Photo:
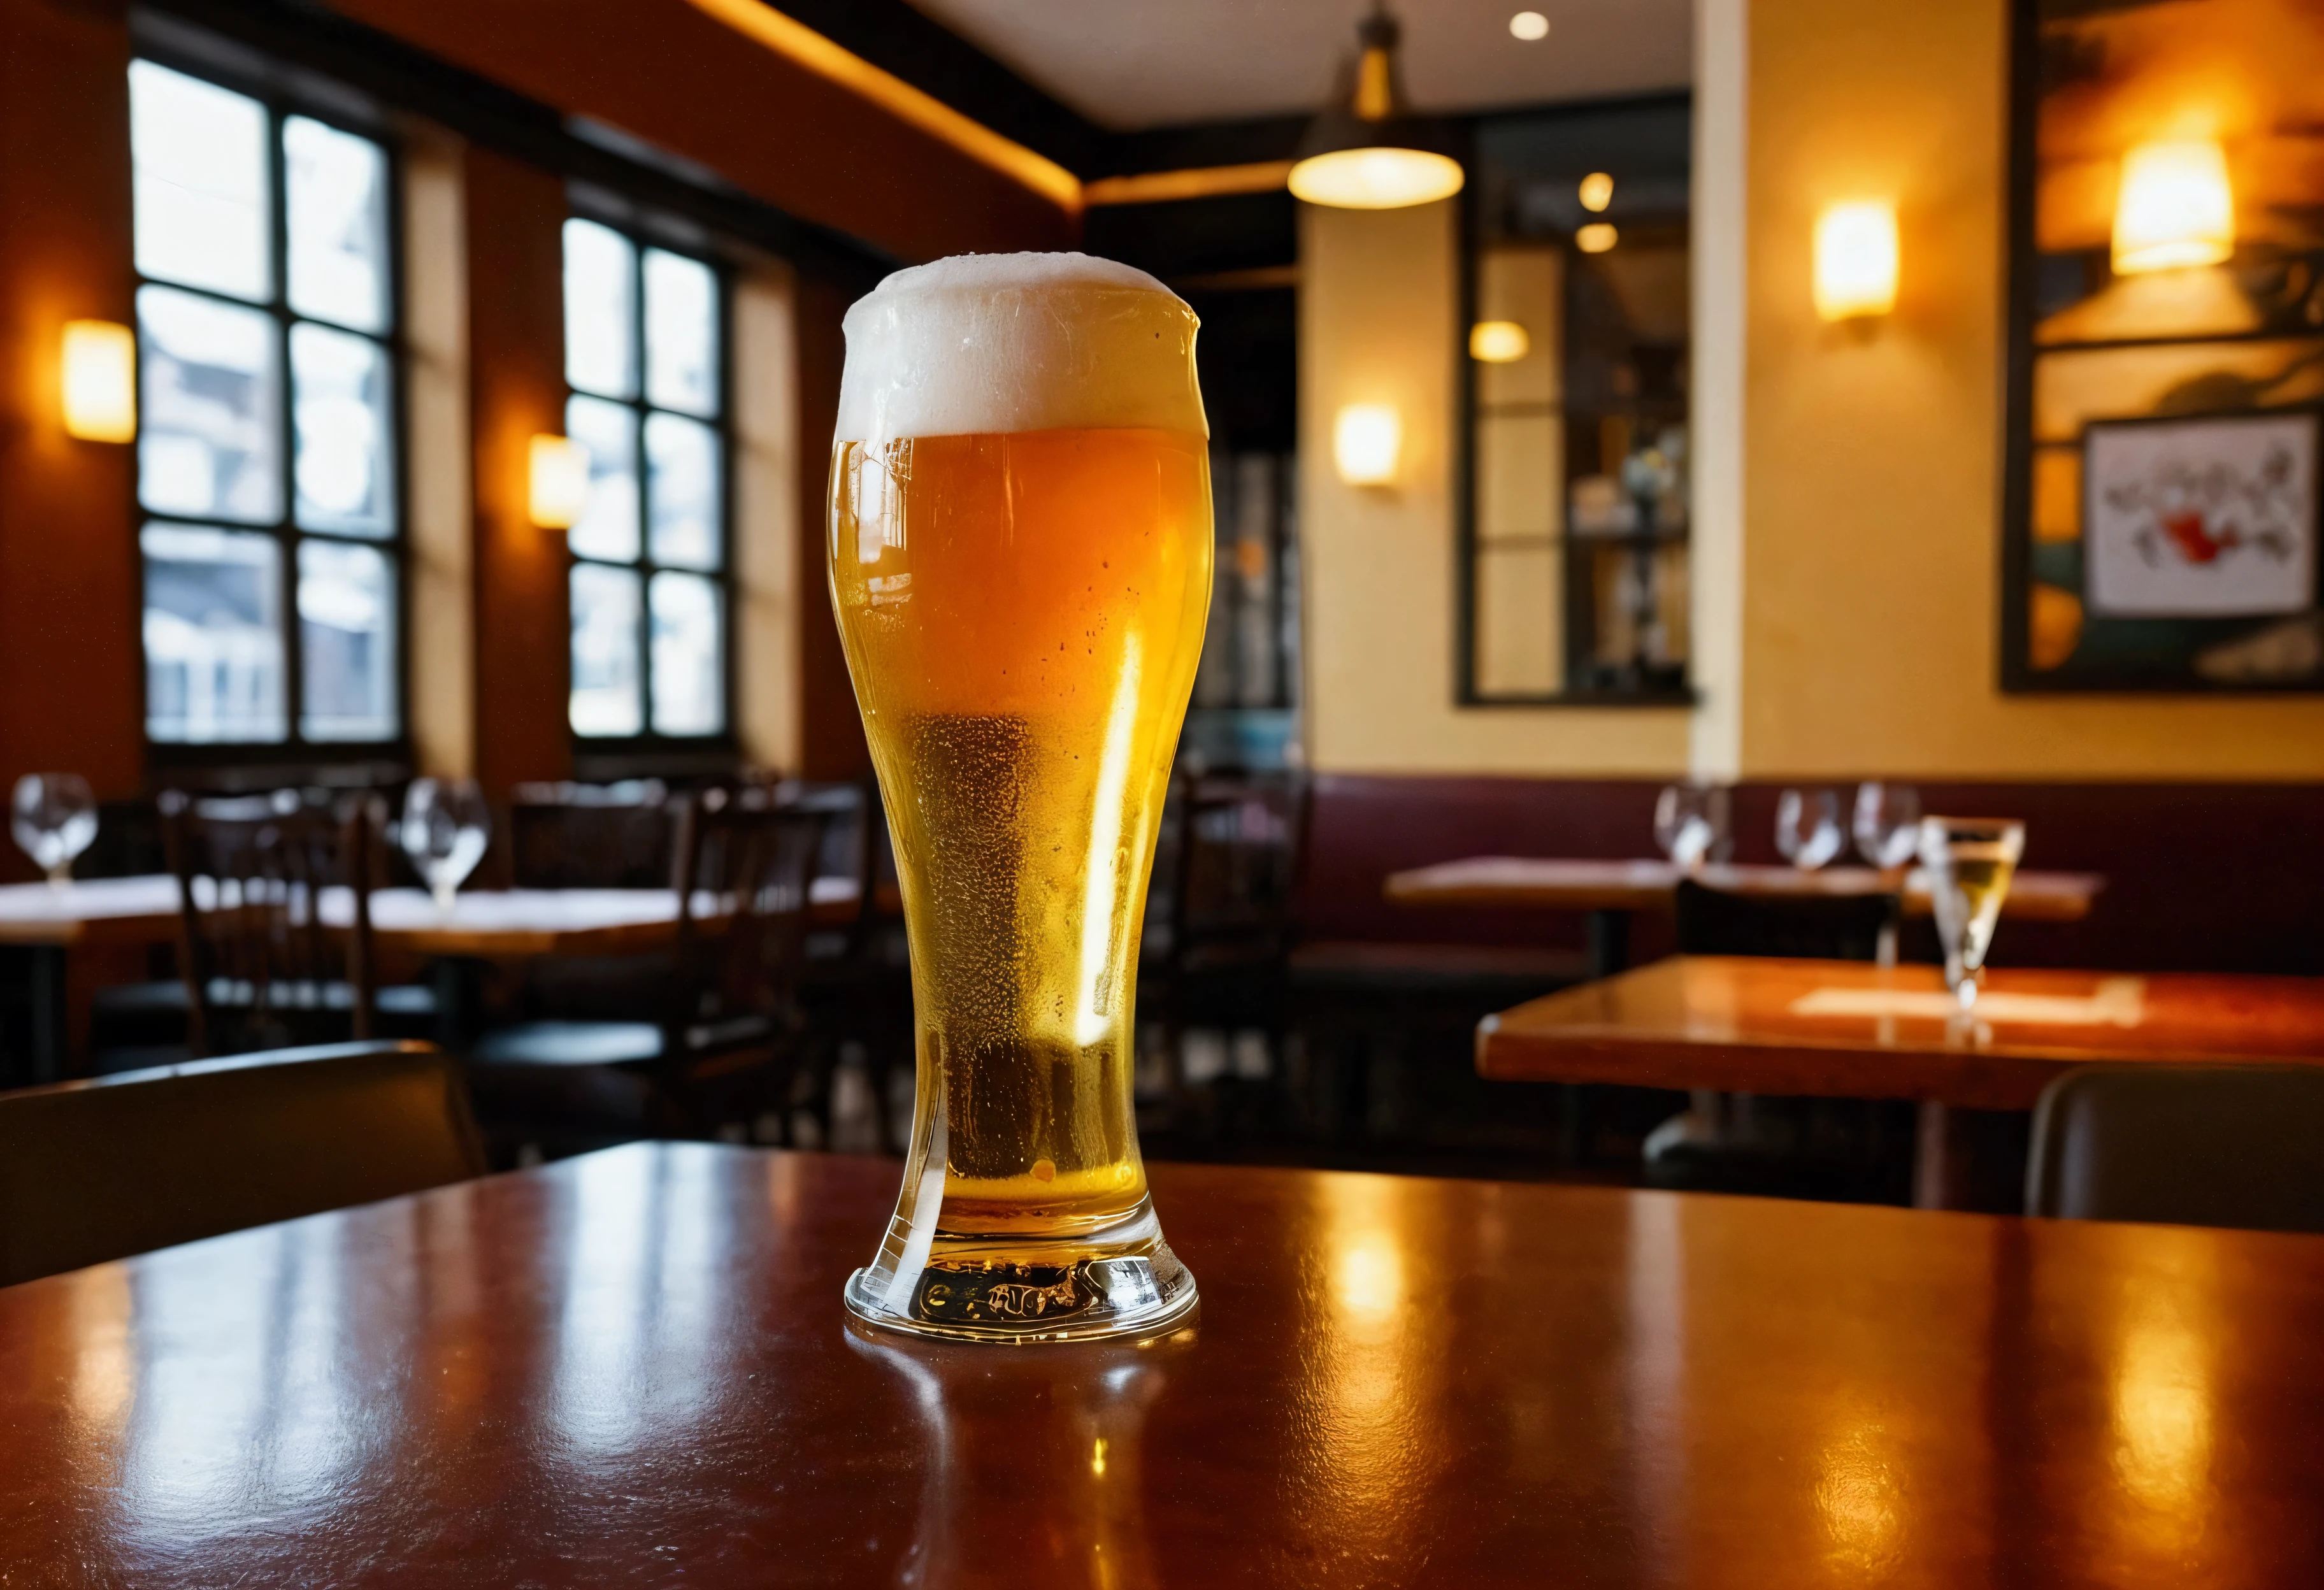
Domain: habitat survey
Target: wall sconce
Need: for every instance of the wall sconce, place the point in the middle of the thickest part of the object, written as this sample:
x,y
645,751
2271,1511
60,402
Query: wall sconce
x,y
1366,438
1856,259
1596,192
1498,342
100,381
559,482
2175,207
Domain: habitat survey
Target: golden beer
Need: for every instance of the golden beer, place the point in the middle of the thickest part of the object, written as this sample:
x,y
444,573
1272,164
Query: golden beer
x,y
1022,610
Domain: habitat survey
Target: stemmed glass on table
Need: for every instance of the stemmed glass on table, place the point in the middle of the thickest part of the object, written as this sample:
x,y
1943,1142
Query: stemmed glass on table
x,y
1887,823
1971,861
1691,825
1807,827
445,824
53,816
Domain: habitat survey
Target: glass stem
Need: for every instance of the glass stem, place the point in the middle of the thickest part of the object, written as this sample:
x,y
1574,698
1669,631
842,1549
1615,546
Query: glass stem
x,y
446,894
60,876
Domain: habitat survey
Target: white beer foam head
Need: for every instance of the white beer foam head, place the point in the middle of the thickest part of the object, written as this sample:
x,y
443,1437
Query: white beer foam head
x,y
986,344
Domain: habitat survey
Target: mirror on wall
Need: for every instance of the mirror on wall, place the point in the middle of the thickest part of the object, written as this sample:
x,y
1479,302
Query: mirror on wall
x,y
1575,546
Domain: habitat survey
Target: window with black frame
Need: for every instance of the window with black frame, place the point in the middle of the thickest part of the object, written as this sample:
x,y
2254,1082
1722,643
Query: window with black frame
x,y
644,356
1576,544
266,461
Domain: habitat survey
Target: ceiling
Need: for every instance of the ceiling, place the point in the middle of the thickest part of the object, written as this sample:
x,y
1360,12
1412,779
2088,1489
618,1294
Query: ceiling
x,y
1130,64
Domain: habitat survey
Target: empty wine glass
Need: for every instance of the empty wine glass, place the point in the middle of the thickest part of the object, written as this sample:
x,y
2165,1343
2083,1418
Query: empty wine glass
x,y
1807,827
1971,861
1691,823
1887,823
445,825
53,816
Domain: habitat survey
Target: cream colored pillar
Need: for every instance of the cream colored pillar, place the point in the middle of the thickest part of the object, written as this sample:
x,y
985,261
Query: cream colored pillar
x,y
767,562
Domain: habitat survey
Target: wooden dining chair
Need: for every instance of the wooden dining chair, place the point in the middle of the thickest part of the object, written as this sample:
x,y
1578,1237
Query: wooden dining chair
x,y
2239,1145
716,1052
101,1169
856,992
261,968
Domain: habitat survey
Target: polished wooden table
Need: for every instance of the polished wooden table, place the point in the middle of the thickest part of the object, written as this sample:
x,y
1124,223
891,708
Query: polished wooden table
x,y
630,1369
1843,1029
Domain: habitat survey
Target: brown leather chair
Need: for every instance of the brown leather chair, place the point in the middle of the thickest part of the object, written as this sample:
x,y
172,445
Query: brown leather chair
x,y
2239,1145
99,1170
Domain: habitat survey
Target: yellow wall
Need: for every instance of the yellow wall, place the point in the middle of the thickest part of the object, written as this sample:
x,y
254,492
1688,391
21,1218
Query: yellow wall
x,y
1857,593
1872,463
1377,309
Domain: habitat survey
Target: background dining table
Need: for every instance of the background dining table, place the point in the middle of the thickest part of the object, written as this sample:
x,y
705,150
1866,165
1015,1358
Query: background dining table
x,y
1610,891
88,930
631,1367
1844,1029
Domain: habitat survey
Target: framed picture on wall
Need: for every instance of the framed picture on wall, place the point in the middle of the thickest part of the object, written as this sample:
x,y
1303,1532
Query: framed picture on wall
x,y
2165,440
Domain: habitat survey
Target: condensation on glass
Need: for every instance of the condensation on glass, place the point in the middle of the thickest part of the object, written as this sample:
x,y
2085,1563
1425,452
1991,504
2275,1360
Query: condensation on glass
x,y
644,358
266,461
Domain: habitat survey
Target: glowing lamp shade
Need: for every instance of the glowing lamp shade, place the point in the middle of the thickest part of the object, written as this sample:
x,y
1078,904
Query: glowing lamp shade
x,y
1597,191
1597,237
1382,179
560,484
1498,342
100,381
2176,209
1856,259
1366,439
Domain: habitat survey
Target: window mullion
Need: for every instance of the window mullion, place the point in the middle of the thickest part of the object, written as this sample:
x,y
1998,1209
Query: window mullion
x,y
294,659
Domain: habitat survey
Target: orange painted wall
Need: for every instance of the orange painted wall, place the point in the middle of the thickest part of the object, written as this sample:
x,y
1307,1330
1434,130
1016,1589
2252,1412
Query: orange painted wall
x,y
516,351
1871,547
664,71
71,694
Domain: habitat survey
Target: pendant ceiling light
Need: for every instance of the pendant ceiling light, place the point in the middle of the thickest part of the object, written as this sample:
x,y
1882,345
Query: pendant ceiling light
x,y
1366,152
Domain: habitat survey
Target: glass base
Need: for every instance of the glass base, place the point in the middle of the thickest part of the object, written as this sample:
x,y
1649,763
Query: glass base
x,y
1119,1280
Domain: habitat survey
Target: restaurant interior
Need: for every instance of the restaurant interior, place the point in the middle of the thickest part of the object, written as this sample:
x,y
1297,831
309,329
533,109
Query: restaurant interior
x,y
1705,925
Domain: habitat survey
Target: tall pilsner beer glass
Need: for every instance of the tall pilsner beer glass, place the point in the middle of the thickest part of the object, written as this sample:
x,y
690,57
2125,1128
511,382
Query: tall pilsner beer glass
x,y
1020,561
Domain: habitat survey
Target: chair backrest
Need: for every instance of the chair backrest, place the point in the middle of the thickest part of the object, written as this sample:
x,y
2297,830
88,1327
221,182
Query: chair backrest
x,y
264,965
98,1169
2187,1144
1825,927
746,864
592,836
1239,842
856,846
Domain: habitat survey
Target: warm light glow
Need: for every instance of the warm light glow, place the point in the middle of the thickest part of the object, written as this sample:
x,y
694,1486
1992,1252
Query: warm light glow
x,y
560,482
1380,178
1597,237
2176,209
1498,342
100,381
1366,439
1856,259
1529,26
1596,192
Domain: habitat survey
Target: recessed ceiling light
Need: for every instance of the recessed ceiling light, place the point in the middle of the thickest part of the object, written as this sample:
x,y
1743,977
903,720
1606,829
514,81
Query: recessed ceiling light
x,y
1529,26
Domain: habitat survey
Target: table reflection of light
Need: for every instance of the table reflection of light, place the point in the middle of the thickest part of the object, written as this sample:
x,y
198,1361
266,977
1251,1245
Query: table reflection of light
x,y
103,1377
1379,1358
642,1297
1858,1496
1368,1276
2162,1423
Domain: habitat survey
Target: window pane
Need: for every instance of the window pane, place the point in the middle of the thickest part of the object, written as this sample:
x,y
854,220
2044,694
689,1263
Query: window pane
x,y
608,526
681,334
688,693
346,641
605,695
338,411
200,183
599,266
682,472
211,443
335,186
213,635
